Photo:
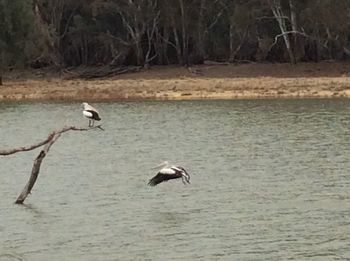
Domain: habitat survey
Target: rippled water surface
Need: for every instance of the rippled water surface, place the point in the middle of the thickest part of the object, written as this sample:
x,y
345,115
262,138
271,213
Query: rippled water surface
x,y
270,181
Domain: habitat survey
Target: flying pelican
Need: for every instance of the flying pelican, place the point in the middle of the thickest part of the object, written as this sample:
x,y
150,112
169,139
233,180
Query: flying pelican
x,y
91,113
169,172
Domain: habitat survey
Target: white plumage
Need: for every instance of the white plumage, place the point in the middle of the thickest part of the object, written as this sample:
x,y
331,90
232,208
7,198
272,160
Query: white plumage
x,y
91,113
87,114
169,172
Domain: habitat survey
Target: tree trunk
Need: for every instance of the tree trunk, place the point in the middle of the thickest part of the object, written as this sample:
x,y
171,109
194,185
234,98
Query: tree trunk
x,y
317,47
151,31
35,170
177,42
293,16
297,46
2,64
277,12
158,46
234,52
184,32
166,35
200,32
139,53
231,31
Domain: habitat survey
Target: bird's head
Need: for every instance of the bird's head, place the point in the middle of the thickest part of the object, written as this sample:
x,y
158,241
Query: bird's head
x,y
185,175
84,104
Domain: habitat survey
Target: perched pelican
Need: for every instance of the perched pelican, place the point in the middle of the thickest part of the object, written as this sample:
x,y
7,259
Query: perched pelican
x,y
91,113
169,172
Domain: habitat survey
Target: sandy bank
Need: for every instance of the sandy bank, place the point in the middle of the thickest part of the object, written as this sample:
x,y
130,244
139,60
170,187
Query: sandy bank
x,y
179,83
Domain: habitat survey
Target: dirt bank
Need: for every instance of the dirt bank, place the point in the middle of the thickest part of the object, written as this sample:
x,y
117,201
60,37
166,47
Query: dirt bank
x,y
198,82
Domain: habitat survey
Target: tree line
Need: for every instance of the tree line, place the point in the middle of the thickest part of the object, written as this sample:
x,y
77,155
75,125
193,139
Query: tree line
x,y
67,33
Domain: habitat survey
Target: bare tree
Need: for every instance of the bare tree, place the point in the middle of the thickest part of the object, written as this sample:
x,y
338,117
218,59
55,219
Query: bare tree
x,y
54,18
177,44
151,31
240,21
183,19
277,11
201,30
1,64
161,42
139,19
47,143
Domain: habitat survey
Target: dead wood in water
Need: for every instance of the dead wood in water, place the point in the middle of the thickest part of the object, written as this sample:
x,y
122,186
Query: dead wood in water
x,y
48,142
35,170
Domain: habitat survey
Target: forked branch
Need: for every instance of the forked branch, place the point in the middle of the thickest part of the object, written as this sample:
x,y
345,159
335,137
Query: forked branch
x,y
35,170
48,142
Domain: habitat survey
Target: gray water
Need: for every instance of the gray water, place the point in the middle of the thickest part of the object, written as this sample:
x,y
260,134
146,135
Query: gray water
x,y
270,181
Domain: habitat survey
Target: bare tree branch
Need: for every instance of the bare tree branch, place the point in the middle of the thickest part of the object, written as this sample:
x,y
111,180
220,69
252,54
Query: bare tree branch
x,y
26,148
346,51
285,33
271,17
118,39
35,170
7,152
48,142
212,24
278,13
150,35
167,41
67,23
151,59
238,48
295,32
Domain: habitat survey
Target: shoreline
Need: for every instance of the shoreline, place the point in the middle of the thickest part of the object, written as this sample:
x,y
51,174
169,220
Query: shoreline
x,y
218,82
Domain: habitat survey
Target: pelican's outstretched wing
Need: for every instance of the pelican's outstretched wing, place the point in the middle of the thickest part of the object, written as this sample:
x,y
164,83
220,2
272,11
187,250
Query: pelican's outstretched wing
x,y
160,177
164,164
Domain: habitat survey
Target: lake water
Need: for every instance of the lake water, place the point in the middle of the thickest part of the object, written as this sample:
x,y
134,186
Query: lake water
x,y
270,181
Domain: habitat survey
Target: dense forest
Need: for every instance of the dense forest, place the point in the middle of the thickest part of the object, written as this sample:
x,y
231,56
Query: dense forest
x,y
65,33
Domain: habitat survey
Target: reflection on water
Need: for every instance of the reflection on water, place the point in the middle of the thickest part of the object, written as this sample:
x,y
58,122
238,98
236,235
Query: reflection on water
x,y
270,181
31,208
10,257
